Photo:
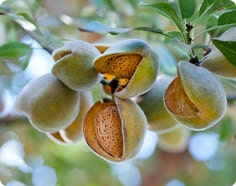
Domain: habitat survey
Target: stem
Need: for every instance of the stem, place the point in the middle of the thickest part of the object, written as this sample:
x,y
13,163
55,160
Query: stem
x,y
189,28
33,35
37,39
12,119
193,58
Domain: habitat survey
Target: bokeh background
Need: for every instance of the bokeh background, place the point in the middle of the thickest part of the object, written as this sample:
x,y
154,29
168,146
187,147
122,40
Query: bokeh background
x,y
28,157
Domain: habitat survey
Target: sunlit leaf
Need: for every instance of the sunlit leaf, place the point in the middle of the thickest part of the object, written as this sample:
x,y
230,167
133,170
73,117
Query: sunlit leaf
x,y
14,50
166,10
29,19
228,49
26,24
98,27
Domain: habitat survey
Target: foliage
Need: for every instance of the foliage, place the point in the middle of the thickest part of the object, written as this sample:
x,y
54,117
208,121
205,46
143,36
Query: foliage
x,y
178,30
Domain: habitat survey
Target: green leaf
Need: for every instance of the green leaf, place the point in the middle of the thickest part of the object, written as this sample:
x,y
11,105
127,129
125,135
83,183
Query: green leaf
x,y
174,36
228,49
166,10
227,17
210,6
226,129
186,8
211,21
14,50
198,46
205,4
25,61
149,29
97,27
217,30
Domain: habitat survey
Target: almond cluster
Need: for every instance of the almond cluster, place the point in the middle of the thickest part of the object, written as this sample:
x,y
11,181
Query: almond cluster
x,y
61,104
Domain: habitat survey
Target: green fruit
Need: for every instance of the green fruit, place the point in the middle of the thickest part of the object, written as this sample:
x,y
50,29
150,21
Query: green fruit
x,y
73,133
195,98
48,103
74,65
159,119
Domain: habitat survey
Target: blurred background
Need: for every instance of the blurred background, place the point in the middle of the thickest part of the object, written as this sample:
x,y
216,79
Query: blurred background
x,y
28,157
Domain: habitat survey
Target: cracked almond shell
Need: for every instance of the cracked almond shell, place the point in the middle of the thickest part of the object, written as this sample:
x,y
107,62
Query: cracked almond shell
x,y
132,61
195,98
115,130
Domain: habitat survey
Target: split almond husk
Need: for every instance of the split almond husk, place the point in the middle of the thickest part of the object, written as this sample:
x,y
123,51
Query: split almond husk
x,y
115,130
132,61
74,65
195,98
57,138
101,47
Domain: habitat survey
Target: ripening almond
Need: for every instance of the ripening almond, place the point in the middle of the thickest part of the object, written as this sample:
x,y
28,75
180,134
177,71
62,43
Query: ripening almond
x,y
74,65
115,130
159,119
48,103
73,133
195,98
133,63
